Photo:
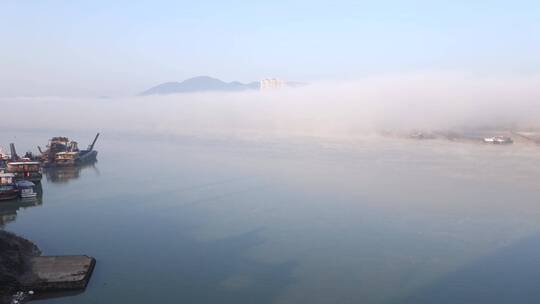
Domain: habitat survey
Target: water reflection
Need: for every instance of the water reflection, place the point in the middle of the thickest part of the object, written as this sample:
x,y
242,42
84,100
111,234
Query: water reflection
x,y
60,175
380,223
9,209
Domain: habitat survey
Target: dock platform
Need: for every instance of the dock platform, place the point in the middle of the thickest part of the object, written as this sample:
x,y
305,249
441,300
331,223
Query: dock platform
x,y
57,273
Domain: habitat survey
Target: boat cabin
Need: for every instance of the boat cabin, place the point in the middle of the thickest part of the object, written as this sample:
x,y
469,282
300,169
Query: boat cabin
x,y
58,141
66,158
27,170
6,178
26,166
8,190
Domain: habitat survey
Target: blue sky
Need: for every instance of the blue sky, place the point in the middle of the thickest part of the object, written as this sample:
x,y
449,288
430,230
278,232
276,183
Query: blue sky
x,y
93,48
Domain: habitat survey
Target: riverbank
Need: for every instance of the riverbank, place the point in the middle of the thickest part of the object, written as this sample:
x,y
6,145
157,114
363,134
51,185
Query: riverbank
x,y
16,254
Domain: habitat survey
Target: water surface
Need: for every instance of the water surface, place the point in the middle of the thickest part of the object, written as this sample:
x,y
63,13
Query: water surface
x,y
188,220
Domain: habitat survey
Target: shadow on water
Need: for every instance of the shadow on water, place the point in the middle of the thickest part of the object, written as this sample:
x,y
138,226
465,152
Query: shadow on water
x,y
59,175
162,262
222,273
194,271
510,275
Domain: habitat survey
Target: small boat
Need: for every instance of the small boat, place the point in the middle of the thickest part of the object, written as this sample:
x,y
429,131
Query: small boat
x,y
25,170
8,189
498,140
26,188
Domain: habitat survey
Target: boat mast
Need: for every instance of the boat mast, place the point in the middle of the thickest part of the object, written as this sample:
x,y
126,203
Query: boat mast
x,y
14,156
91,147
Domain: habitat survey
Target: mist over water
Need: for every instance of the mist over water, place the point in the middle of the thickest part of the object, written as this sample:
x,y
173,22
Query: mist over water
x,y
383,221
405,171
217,197
420,101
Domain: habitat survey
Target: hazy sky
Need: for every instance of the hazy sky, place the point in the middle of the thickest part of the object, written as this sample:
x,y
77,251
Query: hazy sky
x,y
93,48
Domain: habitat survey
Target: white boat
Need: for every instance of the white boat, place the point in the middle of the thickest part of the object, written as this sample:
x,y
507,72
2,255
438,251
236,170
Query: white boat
x,y
27,189
498,140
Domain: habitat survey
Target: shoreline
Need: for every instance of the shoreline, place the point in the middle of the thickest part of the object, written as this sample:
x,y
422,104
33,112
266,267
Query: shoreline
x,y
16,254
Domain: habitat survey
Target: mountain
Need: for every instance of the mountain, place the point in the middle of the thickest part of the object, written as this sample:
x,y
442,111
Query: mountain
x,y
199,84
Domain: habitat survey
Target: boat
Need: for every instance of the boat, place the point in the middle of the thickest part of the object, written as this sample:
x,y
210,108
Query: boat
x,y
25,170
26,188
56,144
8,189
498,140
66,153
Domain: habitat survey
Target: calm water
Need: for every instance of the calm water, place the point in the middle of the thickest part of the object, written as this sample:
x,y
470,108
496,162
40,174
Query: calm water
x,y
296,221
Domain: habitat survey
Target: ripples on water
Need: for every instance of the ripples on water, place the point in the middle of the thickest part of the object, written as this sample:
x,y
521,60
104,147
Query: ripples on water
x,y
299,221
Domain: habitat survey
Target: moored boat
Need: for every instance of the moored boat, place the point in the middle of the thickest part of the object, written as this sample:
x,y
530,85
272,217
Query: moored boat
x,y
25,170
8,189
498,140
26,188
64,153
56,144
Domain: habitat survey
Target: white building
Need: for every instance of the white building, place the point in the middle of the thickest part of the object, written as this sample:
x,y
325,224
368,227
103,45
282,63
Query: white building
x,y
272,84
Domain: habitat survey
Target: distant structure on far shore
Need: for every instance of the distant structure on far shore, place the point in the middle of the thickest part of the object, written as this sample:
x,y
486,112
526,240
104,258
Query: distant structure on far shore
x,y
272,84
210,84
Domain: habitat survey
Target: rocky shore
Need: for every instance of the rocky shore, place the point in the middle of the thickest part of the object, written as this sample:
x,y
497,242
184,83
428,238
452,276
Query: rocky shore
x,y
15,264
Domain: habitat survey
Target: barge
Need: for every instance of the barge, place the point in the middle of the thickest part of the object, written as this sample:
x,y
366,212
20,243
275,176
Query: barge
x,y
64,153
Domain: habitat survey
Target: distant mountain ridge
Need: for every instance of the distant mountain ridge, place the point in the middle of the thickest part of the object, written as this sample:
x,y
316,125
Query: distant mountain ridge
x,y
199,84
205,84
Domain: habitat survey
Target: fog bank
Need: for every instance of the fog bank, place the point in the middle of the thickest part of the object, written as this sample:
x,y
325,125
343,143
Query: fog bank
x,y
429,101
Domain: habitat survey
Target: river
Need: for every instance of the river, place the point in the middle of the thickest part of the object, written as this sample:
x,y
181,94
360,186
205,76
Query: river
x,y
297,220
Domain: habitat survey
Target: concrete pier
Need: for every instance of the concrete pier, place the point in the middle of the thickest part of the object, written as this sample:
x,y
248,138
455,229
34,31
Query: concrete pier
x,y
56,273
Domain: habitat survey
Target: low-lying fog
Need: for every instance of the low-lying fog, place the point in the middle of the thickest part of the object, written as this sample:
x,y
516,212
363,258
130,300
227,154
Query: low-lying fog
x,y
386,222
429,101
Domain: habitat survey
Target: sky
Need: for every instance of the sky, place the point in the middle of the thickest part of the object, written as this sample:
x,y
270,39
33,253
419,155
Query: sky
x,y
120,48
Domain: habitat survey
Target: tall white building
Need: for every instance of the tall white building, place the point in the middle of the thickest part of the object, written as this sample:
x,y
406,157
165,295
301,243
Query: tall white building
x,y
272,84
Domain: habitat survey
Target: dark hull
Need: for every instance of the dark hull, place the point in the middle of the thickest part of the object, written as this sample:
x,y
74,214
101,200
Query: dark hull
x,y
87,157
9,195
